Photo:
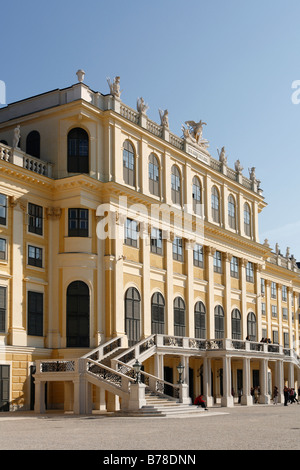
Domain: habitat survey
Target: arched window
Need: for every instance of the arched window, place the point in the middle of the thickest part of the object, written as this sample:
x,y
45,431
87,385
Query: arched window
x,y
196,196
200,320
175,185
33,144
128,163
219,322
78,151
231,212
251,326
78,315
247,220
157,314
154,175
215,205
179,317
132,315
236,324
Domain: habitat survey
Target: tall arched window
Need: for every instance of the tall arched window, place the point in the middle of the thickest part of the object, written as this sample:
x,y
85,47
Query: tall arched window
x,y
132,315
179,317
215,205
128,163
200,320
196,195
251,326
247,220
157,314
231,212
236,324
175,185
219,322
33,144
154,175
78,315
78,151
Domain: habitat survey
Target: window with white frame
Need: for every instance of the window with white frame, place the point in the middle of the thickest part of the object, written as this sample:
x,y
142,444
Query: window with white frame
x,y
250,272
3,250
234,267
3,300
273,290
198,256
218,262
131,232
231,212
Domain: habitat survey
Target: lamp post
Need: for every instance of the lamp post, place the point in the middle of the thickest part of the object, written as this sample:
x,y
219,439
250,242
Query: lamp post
x,y
137,368
180,369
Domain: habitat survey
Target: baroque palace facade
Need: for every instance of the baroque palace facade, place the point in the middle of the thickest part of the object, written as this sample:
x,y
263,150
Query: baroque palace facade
x,y
122,244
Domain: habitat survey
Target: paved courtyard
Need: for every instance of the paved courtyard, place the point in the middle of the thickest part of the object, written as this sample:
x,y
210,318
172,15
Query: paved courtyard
x,y
260,427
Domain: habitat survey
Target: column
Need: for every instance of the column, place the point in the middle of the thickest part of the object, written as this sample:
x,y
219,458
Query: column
x,y
227,258
39,403
258,299
18,319
246,397
207,381
146,298
280,380
209,263
53,339
169,286
190,327
264,397
227,398
268,307
118,289
291,377
243,297
279,313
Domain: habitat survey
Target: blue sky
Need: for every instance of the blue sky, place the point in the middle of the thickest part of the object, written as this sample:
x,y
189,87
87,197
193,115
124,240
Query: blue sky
x,y
230,63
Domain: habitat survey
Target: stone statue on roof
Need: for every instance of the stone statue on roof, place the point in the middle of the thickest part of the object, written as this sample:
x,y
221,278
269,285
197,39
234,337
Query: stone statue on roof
x,y
196,129
141,106
115,87
164,118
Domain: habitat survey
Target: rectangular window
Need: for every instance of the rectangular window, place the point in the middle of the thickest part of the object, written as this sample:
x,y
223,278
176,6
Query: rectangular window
x,y
2,248
78,223
262,287
35,219
156,241
35,313
274,311
35,256
284,313
3,209
286,340
177,249
2,309
131,233
275,337
234,267
249,272
263,309
273,290
218,262
198,256
284,293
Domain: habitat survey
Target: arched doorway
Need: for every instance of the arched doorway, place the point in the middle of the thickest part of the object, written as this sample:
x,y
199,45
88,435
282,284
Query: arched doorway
x,y
78,315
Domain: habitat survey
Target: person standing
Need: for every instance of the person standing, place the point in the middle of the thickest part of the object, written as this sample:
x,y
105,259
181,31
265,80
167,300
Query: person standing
x,y
275,396
286,396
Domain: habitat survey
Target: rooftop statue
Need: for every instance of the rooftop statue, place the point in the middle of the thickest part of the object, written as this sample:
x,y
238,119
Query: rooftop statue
x,y
193,133
164,118
115,87
222,156
17,135
141,106
238,167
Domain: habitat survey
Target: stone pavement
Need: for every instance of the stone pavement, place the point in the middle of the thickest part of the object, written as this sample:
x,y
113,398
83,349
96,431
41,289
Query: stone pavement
x,y
259,427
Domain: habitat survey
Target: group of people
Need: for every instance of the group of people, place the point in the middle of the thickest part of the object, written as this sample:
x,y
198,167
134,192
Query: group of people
x,y
290,396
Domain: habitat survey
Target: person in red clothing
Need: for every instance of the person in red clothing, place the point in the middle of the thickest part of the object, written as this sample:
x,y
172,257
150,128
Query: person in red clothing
x,y
200,402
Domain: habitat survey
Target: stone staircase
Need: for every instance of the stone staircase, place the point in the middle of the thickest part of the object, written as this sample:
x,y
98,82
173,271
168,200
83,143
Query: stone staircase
x,y
158,405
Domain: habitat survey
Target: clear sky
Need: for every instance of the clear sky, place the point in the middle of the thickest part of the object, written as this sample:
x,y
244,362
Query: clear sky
x,y
230,63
